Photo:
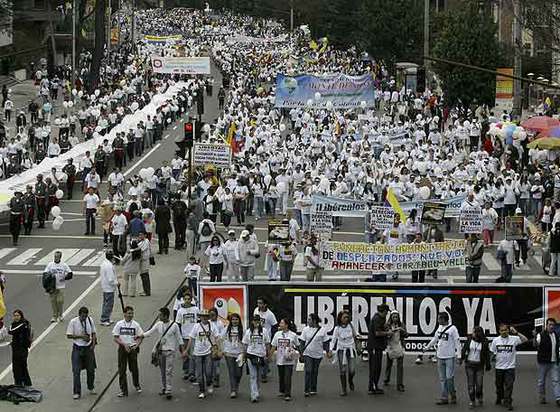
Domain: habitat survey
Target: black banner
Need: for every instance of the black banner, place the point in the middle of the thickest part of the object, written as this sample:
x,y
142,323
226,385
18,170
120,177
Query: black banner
x,y
468,306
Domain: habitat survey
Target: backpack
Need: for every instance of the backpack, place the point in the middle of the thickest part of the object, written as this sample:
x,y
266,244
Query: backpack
x,y
49,282
206,230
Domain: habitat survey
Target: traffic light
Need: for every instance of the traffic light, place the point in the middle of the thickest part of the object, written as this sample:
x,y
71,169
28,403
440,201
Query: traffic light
x,y
189,134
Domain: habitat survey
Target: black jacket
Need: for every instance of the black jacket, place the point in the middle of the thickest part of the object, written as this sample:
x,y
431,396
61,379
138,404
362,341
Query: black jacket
x,y
484,353
544,348
21,335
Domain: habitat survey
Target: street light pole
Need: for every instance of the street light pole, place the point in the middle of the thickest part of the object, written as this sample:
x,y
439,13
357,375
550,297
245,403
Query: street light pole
x,y
292,16
517,61
426,35
74,7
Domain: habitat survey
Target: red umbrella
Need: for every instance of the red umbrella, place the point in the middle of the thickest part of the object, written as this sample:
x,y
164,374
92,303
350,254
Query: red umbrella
x,y
540,123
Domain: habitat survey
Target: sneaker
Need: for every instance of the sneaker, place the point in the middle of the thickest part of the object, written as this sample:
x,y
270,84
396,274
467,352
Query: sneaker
x,y
313,393
471,405
53,320
201,396
306,394
210,390
105,323
141,294
419,361
442,402
122,394
233,395
254,400
92,392
400,388
60,319
168,396
76,396
434,359
138,389
162,392
287,398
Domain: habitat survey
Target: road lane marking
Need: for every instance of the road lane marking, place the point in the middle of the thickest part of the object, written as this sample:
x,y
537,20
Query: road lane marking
x,y
7,250
135,165
25,257
49,328
490,262
40,272
78,257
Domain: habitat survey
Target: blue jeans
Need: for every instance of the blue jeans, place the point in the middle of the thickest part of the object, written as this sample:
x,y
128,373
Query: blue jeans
x,y
446,370
254,385
259,207
203,371
311,368
107,306
543,371
234,372
82,356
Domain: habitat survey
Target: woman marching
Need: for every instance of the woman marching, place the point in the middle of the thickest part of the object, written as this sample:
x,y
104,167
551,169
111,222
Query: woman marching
x,y
395,349
343,344
256,346
476,355
313,340
232,349
215,253
131,267
285,344
21,342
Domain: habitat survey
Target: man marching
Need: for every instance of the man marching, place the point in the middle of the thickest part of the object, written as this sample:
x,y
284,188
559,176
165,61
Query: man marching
x,y
30,205
16,215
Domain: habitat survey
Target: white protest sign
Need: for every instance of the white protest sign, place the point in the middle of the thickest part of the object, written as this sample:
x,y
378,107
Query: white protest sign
x,y
382,217
218,155
470,220
181,65
321,224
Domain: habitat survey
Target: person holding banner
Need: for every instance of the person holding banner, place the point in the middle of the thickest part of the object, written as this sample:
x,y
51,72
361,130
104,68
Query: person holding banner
x,y
474,250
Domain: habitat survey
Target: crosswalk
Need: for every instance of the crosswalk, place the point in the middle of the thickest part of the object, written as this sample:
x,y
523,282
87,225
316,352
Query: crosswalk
x,y
74,257
23,260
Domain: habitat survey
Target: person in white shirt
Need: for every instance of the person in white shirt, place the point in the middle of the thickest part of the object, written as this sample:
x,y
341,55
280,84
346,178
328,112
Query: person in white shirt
x,y
233,348
343,343
215,254
506,255
84,337
256,348
169,342
232,266
54,149
269,322
202,338
61,273
127,333
504,348
186,317
448,348
90,203
285,344
313,340
192,272
109,284
117,229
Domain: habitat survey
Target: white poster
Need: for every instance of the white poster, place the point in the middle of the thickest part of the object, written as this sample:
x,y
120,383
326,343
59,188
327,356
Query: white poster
x,y
321,225
181,65
382,217
218,155
470,220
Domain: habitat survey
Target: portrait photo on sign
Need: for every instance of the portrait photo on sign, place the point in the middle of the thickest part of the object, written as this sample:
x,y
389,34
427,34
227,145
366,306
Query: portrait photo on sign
x,y
433,213
514,227
278,231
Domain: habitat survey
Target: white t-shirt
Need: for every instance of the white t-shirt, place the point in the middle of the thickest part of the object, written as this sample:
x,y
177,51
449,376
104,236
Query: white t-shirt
x,y
91,201
77,327
202,335
268,319
314,258
232,341
505,350
192,271
286,344
59,270
127,331
187,318
314,347
119,224
256,342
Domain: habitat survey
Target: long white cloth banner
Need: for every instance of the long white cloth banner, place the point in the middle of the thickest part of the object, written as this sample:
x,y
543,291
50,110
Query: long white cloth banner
x,y
181,65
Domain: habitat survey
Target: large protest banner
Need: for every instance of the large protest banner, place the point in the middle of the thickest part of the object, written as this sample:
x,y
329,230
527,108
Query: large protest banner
x,y
341,90
382,258
469,306
181,65
150,39
218,155
338,206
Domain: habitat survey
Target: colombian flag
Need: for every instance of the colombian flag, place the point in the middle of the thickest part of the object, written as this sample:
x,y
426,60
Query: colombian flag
x,y
2,305
394,202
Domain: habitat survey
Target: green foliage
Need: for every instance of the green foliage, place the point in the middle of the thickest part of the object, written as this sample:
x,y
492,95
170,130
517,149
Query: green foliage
x,y
467,36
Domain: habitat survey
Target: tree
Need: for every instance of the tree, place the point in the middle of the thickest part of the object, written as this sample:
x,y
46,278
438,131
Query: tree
x,y
394,33
468,35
